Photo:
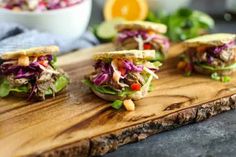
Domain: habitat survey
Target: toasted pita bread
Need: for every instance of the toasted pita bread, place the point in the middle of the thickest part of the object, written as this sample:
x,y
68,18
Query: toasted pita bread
x,y
135,25
210,40
132,54
36,51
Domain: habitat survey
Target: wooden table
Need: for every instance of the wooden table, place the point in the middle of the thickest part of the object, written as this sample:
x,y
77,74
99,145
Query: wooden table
x,y
77,123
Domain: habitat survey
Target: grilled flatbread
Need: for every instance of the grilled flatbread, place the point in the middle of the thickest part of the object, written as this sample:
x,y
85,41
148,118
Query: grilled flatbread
x,y
37,51
132,54
210,40
136,25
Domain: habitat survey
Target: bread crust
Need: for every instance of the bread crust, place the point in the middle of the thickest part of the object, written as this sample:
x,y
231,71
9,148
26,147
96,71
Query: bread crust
x,y
210,40
137,25
36,51
132,54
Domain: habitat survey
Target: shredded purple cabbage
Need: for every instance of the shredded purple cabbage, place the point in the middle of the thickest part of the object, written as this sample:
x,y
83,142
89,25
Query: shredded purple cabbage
x,y
131,67
125,34
163,41
30,72
216,51
101,79
106,72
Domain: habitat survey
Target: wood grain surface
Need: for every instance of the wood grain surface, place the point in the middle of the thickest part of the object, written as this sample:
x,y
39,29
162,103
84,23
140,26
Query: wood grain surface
x,y
77,123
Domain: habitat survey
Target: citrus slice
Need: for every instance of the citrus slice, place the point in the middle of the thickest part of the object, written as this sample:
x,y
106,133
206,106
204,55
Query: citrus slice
x,y
128,9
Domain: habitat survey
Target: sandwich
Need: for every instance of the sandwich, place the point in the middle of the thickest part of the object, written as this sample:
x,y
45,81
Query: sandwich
x,y
31,73
213,55
143,36
123,75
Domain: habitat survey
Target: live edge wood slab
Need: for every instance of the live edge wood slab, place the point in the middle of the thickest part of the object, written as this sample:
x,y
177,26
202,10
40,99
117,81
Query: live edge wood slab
x,y
77,123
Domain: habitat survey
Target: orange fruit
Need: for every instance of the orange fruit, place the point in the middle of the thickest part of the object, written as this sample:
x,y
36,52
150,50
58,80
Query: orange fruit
x,y
128,9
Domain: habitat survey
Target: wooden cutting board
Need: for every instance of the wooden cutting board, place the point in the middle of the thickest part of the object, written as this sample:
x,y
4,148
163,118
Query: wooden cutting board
x,y
77,123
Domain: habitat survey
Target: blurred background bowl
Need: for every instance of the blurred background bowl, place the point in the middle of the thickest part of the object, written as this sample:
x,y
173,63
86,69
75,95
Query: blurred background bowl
x,y
69,22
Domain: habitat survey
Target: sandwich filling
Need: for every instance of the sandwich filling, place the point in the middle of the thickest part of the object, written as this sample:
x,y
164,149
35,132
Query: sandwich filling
x,y
32,76
123,77
144,40
210,58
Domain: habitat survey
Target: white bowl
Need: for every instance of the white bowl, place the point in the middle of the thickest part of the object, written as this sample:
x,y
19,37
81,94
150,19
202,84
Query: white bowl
x,y
69,22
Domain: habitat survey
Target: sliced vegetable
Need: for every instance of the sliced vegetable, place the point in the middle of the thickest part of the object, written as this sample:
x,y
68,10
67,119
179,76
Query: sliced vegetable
x,y
129,105
125,92
117,74
215,76
122,71
159,57
151,72
144,89
21,89
157,64
61,83
225,79
135,86
117,104
100,89
147,46
101,78
53,61
4,88
106,31
206,66
44,63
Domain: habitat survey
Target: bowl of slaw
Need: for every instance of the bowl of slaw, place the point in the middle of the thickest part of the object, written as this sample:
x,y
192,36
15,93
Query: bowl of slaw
x,y
68,20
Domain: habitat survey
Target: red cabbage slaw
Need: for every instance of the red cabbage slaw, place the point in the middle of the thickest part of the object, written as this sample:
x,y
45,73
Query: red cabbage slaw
x,y
213,52
127,33
7,68
31,72
106,70
37,5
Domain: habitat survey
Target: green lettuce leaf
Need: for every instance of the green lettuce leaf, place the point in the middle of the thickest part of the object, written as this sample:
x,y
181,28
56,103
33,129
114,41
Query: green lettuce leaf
x,y
21,89
5,88
125,92
117,104
53,62
60,84
159,57
100,89
217,77
208,67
